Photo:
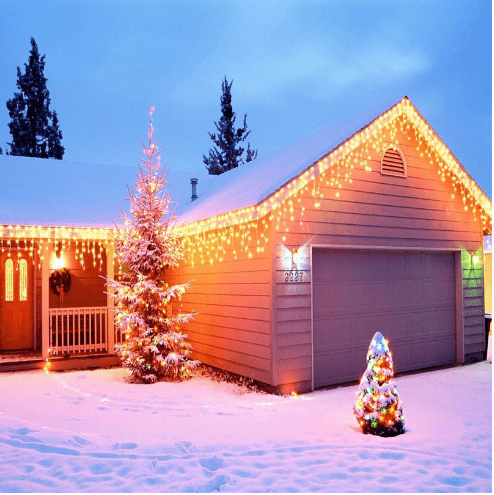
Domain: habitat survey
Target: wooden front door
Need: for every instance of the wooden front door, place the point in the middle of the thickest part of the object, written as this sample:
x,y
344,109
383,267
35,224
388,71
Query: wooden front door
x,y
16,301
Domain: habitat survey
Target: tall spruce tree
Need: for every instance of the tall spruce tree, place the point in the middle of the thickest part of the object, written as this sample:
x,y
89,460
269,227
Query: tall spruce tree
x,y
226,155
34,127
155,347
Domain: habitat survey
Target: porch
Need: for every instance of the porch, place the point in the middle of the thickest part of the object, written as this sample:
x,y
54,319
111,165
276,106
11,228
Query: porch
x,y
77,338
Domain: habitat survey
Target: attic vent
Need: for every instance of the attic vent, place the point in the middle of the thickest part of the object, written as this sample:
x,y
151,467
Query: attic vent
x,y
393,163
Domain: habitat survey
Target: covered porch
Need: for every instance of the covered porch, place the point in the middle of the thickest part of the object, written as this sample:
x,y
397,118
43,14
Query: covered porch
x,y
43,323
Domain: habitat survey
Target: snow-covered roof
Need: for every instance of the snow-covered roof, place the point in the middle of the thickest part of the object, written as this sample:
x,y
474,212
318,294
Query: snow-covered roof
x,y
251,191
249,184
49,192
46,192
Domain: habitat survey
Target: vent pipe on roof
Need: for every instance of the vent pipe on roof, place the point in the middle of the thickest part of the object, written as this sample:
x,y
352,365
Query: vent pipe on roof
x,y
194,185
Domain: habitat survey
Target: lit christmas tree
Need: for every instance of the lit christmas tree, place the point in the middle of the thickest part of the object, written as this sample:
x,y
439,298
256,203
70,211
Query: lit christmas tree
x,y
378,408
154,346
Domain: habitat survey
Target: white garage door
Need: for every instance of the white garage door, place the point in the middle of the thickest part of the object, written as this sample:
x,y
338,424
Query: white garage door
x,y
409,297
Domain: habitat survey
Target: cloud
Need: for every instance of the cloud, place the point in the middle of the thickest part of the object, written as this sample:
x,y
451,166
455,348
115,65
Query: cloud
x,y
268,76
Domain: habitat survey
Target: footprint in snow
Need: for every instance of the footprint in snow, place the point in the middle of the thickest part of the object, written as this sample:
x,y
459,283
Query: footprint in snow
x,y
127,446
80,441
187,446
395,456
212,463
21,431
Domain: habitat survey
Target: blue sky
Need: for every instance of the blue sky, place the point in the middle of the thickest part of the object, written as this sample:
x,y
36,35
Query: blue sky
x,y
297,67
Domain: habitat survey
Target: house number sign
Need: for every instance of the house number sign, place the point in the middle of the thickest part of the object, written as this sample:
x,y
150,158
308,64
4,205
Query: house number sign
x,y
294,276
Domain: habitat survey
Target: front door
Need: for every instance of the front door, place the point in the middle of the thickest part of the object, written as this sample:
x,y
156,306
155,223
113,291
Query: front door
x,y
16,301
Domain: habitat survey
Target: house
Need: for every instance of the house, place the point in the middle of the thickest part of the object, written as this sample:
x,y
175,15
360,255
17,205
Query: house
x,y
298,258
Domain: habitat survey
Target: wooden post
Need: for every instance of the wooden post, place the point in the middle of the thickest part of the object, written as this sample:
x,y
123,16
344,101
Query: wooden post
x,y
45,303
109,299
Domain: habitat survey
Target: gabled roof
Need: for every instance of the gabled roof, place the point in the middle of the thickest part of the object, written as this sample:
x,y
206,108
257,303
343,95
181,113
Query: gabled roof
x,y
250,184
251,191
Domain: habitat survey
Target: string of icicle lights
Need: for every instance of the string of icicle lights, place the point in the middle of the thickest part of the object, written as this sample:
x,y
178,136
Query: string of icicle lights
x,y
246,230
37,240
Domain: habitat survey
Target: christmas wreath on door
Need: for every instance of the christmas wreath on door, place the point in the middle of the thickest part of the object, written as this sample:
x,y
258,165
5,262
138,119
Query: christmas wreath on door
x,y
60,281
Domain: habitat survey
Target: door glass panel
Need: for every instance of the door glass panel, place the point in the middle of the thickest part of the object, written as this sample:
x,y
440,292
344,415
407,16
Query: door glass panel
x,y
9,280
23,280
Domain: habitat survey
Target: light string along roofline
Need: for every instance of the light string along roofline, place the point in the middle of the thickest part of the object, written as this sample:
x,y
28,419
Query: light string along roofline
x,y
36,240
206,239
246,230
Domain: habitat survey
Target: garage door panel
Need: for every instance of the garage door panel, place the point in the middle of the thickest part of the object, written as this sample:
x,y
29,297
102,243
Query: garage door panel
x,y
380,294
342,364
447,294
416,323
446,320
409,297
340,296
431,291
399,354
398,294
445,352
415,293
377,269
418,355
378,321
359,335
414,266
397,267
322,299
431,322
398,327
340,332
321,337
361,296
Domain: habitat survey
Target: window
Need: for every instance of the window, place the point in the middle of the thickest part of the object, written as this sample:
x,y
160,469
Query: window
x,y
393,163
23,280
9,280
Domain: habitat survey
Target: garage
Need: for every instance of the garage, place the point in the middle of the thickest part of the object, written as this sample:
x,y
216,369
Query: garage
x,y
368,225
407,296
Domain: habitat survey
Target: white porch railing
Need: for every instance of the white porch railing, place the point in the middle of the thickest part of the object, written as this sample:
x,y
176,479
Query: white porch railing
x,y
78,330
119,336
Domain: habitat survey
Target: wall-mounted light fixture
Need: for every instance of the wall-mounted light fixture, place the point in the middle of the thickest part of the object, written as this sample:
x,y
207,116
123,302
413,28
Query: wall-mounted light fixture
x,y
474,259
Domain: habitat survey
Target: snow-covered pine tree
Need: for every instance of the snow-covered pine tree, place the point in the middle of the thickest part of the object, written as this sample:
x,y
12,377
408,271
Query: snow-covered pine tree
x,y
378,408
154,346
33,126
226,155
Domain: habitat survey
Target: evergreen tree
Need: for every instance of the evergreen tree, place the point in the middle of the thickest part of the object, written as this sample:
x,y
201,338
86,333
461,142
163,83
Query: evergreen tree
x,y
34,127
154,348
378,408
226,155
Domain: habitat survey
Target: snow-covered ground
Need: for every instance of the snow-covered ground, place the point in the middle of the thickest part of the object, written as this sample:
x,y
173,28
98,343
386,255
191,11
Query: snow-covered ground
x,y
90,431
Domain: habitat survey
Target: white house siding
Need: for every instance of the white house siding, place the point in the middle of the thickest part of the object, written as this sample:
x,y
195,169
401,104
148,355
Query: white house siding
x,y
233,302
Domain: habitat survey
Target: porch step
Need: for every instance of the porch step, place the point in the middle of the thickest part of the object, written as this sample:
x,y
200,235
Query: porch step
x,y
62,363
77,362
31,364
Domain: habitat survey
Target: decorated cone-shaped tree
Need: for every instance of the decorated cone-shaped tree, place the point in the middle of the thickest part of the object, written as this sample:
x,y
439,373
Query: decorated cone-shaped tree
x,y
154,347
378,408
